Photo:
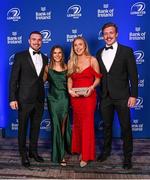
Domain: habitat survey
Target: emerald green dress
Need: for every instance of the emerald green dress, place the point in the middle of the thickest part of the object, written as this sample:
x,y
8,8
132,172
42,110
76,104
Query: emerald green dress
x,y
58,105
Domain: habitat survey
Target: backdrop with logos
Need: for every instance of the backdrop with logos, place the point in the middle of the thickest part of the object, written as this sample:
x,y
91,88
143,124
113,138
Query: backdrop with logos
x,y
60,22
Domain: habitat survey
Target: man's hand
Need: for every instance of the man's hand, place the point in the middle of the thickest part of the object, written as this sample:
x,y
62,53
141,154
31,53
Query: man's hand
x,y
131,102
14,105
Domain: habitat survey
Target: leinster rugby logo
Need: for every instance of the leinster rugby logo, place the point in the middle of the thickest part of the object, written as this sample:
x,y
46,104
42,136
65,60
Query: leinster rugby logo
x,y
138,9
45,124
46,36
100,36
13,14
139,103
74,11
11,60
139,55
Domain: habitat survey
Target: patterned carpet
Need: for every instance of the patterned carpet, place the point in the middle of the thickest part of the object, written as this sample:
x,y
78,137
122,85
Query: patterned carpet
x,y
10,167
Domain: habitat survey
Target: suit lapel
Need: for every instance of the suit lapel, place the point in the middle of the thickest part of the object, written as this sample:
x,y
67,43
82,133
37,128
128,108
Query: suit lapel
x,y
43,64
116,58
32,65
31,62
101,61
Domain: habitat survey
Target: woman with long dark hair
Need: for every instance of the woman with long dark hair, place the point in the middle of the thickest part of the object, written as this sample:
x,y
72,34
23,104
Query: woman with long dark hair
x,y
58,104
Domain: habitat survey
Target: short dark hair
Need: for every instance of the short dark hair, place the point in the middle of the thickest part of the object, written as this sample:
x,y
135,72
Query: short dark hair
x,y
109,24
35,32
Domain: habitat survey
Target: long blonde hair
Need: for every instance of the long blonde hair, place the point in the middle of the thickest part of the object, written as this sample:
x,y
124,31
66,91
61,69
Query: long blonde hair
x,y
72,64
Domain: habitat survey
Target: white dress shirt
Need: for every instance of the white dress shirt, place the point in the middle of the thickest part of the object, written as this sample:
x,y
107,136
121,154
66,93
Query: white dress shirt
x,y
37,61
109,55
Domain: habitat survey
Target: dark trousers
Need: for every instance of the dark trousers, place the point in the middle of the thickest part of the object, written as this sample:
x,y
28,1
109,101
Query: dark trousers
x,y
32,112
108,108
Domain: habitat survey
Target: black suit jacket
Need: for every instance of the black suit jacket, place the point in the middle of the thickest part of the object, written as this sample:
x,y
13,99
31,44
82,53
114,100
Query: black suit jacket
x,y
25,85
116,81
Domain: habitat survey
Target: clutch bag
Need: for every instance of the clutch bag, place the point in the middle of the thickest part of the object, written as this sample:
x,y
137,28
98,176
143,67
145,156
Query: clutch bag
x,y
81,91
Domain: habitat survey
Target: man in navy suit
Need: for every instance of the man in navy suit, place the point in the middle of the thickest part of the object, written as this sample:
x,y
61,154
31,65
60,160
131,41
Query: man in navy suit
x,y
119,90
27,95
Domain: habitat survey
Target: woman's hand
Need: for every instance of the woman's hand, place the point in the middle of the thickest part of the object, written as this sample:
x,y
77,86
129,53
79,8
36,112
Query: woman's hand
x,y
72,93
89,91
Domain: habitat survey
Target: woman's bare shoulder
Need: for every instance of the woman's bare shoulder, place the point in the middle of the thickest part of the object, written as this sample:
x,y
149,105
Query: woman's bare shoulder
x,y
70,63
65,67
93,59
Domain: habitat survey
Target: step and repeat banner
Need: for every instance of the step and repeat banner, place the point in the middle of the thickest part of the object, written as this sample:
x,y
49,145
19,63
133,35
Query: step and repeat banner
x,y
60,21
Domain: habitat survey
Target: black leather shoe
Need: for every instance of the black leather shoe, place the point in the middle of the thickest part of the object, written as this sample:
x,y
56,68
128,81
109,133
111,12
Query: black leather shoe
x,y
25,161
127,164
103,157
36,157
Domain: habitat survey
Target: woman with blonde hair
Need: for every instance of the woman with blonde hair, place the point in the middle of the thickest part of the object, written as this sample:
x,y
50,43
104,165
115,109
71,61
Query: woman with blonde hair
x,y
83,77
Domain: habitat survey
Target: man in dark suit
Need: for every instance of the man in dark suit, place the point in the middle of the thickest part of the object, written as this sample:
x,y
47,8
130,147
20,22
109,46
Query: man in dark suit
x,y
119,90
27,95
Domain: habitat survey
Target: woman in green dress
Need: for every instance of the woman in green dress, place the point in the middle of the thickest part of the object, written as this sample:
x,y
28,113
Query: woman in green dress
x,y
58,105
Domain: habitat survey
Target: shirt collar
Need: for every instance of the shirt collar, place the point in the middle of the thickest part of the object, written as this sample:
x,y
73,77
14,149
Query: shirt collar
x,y
114,45
31,50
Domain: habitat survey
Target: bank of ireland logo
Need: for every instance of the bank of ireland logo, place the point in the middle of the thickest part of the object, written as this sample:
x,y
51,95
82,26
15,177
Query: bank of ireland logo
x,y
105,11
74,11
140,81
46,34
138,9
13,14
139,55
14,38
43,14
137,35
137,126
139,103
46,124
74,34
14,125
11,59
